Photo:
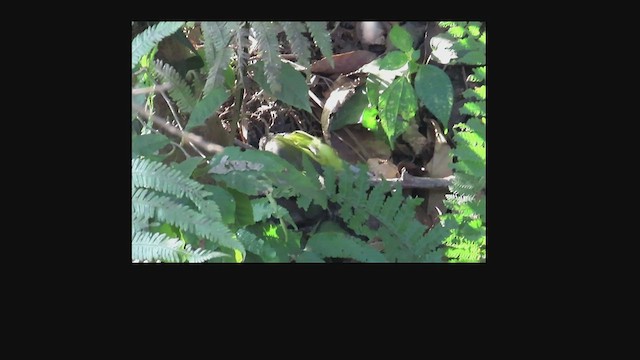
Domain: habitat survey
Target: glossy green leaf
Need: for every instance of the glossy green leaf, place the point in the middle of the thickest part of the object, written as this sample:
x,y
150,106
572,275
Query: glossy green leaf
x,y
148,145
401,38
435,90
415,55
244,210
369,118
394,60
187,166
226,202
398,99
294,90
373,90
309,257
351,110
207,107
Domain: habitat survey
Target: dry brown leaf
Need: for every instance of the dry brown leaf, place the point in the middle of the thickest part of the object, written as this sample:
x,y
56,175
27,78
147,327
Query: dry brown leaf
x,y
344,63
354,144
413,136
383,168
438,167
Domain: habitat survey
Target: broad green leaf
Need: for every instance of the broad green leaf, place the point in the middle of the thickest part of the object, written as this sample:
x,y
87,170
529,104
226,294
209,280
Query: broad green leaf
x,y
294,90
244,210
148,145
207,107
394,60
415,55
398,99
341,245
257,246
187,166
373,91
351,110
435,90
309,257
229,77
255,172
226,202
401,38
369,118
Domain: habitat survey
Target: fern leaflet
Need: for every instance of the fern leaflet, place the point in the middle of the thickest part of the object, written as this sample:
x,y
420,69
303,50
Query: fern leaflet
x,y
158,176
145,41
179,91
299,43
151,247
268,46
340,245
217,36
322,39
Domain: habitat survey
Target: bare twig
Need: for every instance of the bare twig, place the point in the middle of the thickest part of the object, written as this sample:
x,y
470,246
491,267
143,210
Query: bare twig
x,y
151,89
172,130
409,181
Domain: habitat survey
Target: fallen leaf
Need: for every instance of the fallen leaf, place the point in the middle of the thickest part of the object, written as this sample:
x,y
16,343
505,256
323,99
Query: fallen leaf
x,y
383,168
344,63
356,144
413,136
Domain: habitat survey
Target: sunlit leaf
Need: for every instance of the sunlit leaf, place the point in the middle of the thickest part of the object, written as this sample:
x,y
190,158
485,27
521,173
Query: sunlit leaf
x,y
435,90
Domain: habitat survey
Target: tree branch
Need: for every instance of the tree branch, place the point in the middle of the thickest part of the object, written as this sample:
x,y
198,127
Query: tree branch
x,y
197,140
409,181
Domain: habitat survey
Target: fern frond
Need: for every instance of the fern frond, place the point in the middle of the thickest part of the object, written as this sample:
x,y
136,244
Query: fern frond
x,y
155,175
267,42
145,41
151,247
402,235
478,108
479,74
299,43
340,245
257,246
151,204
322,39
217,36
179,91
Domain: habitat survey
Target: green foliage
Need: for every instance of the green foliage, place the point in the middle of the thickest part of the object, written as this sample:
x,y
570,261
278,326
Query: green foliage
x,y
160,193
360,204
293,89
217,36
239,217
434,89
399,99
463,43
148,39
341,245
179,91
322,39
156,247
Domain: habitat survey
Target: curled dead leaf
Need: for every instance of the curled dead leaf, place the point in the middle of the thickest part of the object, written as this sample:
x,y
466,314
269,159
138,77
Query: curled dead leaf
x,y
344,63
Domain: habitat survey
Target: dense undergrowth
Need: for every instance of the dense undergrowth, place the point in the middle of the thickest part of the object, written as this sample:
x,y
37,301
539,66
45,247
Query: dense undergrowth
x,y
238,204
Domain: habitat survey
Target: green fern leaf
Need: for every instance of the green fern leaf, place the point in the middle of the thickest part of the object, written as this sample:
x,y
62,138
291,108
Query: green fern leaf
x,y
158,176
479,93
479,74
148,39
340,245
322,39
266,34
153,205
309,257
257,246
402,235
474,108
152,247
179,91
217,36
299,43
